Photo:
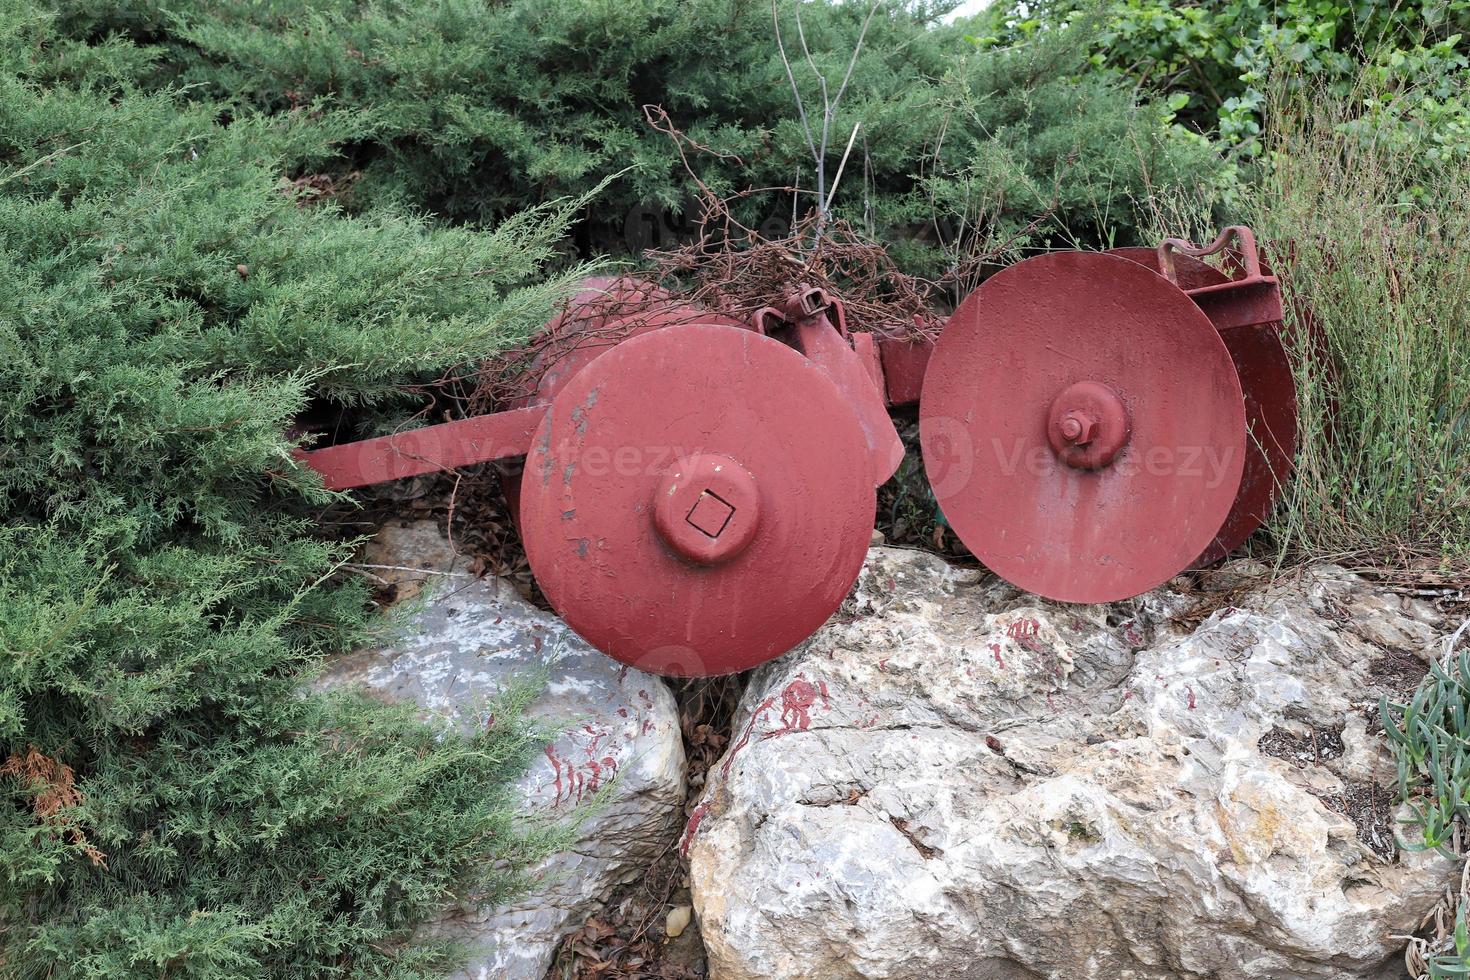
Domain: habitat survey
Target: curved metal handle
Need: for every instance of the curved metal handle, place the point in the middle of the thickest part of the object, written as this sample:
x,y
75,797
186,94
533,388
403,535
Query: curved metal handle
x,y
1249,257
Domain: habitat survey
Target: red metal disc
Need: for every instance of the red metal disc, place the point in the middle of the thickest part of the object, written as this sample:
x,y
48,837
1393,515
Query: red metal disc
x,y
1087,349
695,501
1269,389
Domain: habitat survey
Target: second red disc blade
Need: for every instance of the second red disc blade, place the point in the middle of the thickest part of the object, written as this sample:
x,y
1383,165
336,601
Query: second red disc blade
x,y
1082,427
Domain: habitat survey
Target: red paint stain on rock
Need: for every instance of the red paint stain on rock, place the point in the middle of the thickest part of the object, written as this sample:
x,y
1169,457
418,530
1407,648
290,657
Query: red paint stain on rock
x,y
1022,628
692,828
1131,634
797,700
572,782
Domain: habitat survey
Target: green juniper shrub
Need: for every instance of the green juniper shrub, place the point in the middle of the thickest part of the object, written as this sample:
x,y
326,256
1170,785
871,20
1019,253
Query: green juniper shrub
x,y
171,803
475,111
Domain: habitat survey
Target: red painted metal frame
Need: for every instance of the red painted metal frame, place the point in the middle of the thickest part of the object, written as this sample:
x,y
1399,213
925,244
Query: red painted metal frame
x,y
1093,429
815,323
904,364
431,449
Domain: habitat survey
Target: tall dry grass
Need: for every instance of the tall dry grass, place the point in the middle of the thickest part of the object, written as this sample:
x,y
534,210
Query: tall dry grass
x,y
1373,244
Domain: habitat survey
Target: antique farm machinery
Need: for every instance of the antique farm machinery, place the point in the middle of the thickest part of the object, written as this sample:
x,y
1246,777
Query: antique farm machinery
x,y
697,493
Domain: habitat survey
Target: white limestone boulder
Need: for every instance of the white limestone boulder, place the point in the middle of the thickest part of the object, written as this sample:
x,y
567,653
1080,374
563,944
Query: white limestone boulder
x,y
956,780
619,733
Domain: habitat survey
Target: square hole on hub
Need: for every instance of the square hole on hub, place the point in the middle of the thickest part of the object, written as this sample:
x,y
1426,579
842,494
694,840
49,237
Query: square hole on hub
x,y
710,514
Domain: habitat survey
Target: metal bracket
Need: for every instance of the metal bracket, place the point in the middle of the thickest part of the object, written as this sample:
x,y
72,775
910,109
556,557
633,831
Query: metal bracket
x,y
814,322
1247,301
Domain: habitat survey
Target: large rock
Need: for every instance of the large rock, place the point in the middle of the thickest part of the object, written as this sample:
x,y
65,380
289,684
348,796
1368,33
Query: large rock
x,y
956,780
619,728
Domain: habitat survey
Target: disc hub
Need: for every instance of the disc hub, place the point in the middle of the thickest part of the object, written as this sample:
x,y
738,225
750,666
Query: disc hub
x,y
1087,425
707,508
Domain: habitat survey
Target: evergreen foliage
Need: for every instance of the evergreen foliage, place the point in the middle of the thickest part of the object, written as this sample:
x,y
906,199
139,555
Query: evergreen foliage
x,y
172,804
475,111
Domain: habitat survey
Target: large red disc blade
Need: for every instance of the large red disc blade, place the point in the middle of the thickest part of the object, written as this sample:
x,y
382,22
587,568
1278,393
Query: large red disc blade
x,y
1269,388
696,501
1082,427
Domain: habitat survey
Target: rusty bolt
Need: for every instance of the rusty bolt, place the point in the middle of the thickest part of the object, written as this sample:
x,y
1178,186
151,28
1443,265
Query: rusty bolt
x,y
1079,428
